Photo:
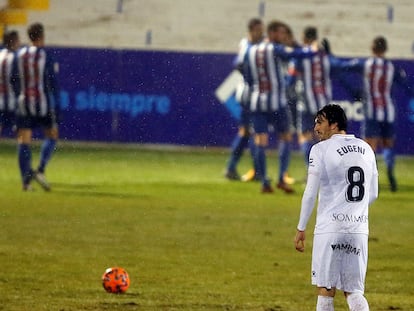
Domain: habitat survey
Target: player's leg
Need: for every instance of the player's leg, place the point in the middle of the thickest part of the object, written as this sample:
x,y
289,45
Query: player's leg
x,y
282,124
239,144
51,133
325,300
388,154
371,133
46,152
252,174
354,267
324,270
261,140
389,158
357,302
24,153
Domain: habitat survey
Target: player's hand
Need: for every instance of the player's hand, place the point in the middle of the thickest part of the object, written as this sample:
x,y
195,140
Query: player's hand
x,y
326,46
314,47
300,241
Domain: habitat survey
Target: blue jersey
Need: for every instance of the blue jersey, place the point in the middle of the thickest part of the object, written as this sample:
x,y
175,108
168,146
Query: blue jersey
x,y
38,94
264,72
314,73
8,79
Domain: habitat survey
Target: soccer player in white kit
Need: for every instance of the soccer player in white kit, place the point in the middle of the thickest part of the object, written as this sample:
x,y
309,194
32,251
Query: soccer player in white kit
x,y
343,172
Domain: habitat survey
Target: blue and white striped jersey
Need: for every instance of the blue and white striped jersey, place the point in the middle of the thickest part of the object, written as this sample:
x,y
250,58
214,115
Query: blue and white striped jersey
x,y
265,74
378,76
38,93
8,73
378,79
314,72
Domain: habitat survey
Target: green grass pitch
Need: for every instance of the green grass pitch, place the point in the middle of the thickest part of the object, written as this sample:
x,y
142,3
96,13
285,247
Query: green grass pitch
x,y
189,239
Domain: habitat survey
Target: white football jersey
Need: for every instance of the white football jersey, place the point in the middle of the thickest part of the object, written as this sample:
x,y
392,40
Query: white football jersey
x,y
343,168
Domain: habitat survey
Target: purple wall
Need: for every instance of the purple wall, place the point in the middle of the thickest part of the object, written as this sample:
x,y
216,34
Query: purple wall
x,y
168,98
144,97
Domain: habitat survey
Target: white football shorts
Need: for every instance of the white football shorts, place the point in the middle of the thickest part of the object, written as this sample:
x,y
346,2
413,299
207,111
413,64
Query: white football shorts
x,y
340,260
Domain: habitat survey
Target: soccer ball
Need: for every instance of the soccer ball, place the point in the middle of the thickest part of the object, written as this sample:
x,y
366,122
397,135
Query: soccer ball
x,y
115,280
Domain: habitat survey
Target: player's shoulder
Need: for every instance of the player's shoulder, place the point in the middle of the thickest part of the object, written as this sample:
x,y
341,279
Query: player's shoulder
x,y
4,51
243,42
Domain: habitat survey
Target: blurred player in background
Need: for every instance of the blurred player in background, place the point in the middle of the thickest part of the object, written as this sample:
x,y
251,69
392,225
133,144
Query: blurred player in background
x,y
8,79
343,177
378,75
291,92
263,69
38,102
311,78
291,95
241,141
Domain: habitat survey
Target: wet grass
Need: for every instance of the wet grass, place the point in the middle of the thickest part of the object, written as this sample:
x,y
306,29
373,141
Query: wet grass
x,y
189,239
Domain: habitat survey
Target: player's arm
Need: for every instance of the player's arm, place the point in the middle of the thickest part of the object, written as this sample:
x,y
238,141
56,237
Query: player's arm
x,y
401,79
52,70
344,70
292,72
308,200
287,53
239,59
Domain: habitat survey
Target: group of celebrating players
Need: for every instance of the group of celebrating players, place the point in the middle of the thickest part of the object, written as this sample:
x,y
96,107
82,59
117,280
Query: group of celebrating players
x,y
283,80
285,84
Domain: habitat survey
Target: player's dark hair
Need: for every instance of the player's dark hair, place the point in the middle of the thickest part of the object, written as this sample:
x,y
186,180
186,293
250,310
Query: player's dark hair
x,y
36,31
10,38
275,25
310,33
379,45
253,23
334,114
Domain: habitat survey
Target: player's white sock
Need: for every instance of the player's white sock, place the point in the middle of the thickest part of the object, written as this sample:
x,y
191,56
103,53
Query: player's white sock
x,y
357,302
325,303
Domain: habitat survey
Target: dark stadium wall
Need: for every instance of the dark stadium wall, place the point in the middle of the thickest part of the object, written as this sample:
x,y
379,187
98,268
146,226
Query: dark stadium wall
x,y
169,98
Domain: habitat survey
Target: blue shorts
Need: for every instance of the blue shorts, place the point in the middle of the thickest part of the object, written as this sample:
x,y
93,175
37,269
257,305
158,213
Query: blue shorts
x,y
31,122
7,119
373,128
280,120
245,117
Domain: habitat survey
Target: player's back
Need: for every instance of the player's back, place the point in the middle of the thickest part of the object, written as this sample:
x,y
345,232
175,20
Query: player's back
x,y
32,64
315,75
378,79
265,76
7,96
347,175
